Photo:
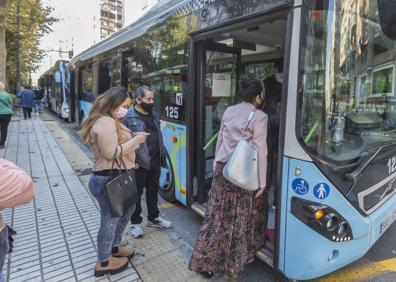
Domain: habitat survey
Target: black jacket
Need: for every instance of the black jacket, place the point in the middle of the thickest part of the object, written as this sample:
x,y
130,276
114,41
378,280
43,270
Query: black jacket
x,y
133,121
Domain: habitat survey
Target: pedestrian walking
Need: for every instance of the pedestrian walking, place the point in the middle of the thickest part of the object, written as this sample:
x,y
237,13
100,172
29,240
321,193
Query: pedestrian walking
x,y
27,101
5,114
234,225
150,156
110,140
37,102
16,188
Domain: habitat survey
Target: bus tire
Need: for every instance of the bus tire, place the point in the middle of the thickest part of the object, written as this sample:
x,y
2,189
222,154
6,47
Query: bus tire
x,y
167,186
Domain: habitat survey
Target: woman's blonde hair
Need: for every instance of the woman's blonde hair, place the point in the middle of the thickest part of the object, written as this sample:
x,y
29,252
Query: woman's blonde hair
x,y
104,105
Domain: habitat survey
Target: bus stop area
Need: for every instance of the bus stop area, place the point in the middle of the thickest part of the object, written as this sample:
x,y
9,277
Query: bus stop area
x,y
56,232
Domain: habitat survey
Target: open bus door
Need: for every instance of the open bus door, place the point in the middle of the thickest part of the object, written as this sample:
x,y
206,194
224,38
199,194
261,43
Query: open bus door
x,y
219,58
217,75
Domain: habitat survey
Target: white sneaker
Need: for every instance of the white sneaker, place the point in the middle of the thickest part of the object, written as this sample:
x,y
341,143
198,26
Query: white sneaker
x,y
160,222
137,230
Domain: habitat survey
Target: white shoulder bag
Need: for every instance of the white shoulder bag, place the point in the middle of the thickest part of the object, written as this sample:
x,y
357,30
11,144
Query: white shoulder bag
x,y
242,167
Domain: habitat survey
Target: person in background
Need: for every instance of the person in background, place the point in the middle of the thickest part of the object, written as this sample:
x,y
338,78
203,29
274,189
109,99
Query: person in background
x,y
235,222
16,188
150,156
5,114
27,101
37,102
110,139
272,107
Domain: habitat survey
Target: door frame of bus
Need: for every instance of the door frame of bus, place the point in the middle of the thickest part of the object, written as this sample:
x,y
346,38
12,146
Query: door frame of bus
x,y
194,52
204,46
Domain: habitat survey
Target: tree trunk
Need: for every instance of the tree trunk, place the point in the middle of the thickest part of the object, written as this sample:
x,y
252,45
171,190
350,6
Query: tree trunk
x,y
3,48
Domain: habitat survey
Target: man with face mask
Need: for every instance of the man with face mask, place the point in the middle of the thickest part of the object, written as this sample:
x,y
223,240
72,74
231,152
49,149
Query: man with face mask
x,y
150,155
272,107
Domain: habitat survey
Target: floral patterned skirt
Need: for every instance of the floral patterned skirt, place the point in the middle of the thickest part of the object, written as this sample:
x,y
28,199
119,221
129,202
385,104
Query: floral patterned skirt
x,y
233,228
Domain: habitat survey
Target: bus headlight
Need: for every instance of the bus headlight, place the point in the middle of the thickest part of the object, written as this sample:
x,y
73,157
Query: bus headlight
x,y
331,221
342,229
323,219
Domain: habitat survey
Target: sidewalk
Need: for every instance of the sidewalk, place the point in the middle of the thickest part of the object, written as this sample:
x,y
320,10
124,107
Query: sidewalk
x,y
56,233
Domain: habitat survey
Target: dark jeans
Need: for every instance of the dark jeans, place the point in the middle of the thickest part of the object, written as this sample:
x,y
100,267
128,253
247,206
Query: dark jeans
x,y
150,180
27,112
111,229
37,106
4,122
3,250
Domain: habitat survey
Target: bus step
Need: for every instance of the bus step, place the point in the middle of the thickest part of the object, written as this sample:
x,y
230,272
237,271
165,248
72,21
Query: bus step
x,y
265,256
199,209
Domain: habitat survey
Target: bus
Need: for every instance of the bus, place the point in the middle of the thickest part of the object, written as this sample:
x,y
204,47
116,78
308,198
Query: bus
x,y
55,83
336,168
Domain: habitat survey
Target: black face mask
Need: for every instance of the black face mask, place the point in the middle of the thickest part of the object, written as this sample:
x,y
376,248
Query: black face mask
x,y
148,107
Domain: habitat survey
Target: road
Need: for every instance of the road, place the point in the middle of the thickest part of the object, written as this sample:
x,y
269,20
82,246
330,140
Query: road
x,y
378,265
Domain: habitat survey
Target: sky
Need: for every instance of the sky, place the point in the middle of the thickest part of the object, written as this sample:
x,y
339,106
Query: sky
x,y
76,28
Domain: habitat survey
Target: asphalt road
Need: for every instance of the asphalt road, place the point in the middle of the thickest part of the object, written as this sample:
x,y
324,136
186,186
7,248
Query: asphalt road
x,y
186,224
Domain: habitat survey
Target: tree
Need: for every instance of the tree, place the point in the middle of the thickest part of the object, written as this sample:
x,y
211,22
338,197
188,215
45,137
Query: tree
x,y
35,22
3,50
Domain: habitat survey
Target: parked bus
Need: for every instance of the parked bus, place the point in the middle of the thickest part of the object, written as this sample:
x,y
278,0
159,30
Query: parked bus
x,y
54,84
336,168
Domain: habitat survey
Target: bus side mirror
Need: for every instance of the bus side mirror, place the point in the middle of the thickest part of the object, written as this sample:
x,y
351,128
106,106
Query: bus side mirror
x,y
387,17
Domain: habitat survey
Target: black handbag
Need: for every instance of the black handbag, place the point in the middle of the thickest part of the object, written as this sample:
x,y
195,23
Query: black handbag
x,y
121,190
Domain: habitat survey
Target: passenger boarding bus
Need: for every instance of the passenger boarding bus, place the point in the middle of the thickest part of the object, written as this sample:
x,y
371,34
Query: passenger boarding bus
x,y
55,84
336,161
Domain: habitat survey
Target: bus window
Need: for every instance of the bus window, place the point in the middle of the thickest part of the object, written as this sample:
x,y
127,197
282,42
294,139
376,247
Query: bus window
x,y
87,86
115,71
348,90
171,88
134,74
220,92
260,71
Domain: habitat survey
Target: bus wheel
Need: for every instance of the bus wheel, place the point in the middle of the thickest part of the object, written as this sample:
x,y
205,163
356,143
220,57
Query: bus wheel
x,y
167,181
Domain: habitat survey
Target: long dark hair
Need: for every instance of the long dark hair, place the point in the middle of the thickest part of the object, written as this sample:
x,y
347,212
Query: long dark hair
x,y
249,88
104,105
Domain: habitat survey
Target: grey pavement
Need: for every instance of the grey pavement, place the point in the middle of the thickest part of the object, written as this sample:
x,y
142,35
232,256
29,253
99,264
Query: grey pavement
x,y
56,232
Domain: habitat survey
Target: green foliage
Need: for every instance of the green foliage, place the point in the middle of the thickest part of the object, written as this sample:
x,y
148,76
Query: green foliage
x,y
35,21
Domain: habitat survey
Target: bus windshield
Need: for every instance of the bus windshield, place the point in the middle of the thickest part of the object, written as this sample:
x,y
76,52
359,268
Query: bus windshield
x,y
347,79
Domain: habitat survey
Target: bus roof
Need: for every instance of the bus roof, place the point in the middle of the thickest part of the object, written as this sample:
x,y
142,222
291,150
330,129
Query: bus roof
x,y
155,15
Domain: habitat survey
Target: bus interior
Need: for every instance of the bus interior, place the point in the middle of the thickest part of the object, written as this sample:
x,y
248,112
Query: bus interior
x,y
226,55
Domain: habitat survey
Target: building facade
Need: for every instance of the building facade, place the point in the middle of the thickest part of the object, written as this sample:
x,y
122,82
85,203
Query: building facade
x,y
111,17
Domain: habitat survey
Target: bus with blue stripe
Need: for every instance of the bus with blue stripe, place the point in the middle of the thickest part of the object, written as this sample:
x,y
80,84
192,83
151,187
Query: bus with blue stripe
x,y
54,84
333,188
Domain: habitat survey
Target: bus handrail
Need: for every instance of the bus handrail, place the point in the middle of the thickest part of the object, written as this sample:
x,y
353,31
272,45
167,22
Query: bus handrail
x,y
210,142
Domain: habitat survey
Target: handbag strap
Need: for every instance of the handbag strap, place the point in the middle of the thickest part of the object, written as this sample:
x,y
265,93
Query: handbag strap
x,y
120,163
249,119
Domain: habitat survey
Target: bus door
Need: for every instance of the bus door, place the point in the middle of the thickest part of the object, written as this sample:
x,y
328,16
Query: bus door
x,y
217,76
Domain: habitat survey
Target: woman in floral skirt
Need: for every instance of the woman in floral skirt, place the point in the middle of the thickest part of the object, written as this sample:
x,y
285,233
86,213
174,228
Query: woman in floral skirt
x,y
235,221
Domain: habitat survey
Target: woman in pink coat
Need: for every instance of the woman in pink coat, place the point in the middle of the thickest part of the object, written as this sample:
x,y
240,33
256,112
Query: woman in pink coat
x,y
235,221
16,188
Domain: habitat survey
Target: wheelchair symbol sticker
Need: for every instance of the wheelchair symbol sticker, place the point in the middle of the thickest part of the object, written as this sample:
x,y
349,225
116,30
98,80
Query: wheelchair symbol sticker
x,y
300,186
321,191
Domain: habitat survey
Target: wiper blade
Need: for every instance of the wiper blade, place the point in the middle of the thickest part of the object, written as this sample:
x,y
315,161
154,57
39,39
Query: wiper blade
x,y
354,175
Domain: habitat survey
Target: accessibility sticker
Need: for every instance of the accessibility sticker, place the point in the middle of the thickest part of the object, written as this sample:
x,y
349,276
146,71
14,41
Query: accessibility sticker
x,y
300,186
321,191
